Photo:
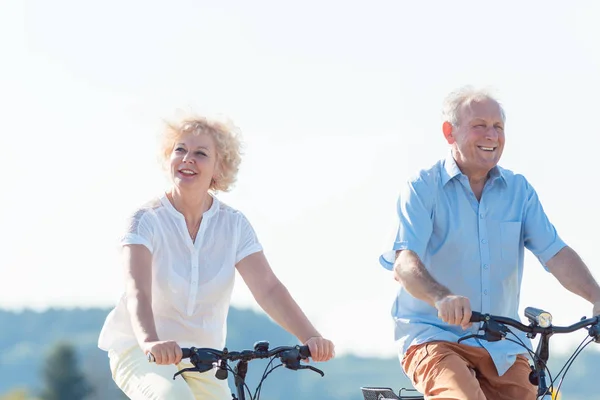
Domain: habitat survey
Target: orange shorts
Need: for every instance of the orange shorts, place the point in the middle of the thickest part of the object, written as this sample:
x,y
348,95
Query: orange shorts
x,y
452,371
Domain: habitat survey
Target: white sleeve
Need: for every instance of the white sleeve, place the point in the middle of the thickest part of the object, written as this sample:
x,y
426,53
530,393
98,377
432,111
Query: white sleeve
x,y
248,242
139,230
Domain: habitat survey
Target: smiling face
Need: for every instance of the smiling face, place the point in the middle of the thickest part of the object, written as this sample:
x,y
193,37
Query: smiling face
x,y
193,162
478,139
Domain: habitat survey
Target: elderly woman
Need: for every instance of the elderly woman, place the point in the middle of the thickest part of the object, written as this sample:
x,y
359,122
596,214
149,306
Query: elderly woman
x,y
179,254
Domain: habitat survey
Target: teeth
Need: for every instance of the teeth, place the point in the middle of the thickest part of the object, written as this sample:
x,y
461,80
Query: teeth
x,y
486,148
187,172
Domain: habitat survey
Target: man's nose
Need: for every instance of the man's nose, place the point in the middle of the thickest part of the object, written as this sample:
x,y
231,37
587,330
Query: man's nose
x,y
492,133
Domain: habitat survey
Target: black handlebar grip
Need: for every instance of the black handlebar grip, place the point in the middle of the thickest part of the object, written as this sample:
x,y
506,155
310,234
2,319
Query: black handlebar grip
x,y
304,351
477,317
186,352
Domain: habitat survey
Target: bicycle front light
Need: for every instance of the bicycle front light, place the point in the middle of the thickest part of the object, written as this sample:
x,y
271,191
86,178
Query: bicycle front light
x,y
539,317
544,319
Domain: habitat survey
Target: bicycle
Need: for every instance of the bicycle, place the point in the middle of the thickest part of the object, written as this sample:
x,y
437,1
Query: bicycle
x,y
205,359
496,328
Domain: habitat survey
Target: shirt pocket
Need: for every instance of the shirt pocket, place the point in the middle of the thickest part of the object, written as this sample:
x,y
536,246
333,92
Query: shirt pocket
x,y
510,240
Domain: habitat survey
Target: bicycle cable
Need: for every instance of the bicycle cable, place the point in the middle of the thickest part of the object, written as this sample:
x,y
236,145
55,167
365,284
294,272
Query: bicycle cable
x,y
535,358
235,376
565,367
267,374
264,376
571,359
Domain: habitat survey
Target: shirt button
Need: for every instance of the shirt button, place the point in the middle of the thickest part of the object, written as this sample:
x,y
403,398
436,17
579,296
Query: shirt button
x,y
485,266
485,292
483,241
481,215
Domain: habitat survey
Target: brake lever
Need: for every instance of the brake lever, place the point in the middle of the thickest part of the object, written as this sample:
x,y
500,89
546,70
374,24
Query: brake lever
x,y
317,370
594,332
493,332
191,369
470,337
204,368
296,365
496,331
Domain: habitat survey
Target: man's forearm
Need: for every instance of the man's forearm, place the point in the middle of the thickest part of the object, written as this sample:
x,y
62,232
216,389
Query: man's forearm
x,y
410,271
574,275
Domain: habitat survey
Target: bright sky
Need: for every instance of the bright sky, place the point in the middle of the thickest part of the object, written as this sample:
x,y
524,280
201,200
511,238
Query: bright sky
x,y
338,103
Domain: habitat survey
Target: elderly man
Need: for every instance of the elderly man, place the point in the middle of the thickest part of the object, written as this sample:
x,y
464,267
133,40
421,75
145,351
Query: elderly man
x,y
464,225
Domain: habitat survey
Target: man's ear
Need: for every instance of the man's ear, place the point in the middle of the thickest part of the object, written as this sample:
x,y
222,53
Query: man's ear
x,y
447,128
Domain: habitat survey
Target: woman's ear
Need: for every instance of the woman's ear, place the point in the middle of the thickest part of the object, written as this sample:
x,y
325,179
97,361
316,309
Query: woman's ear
x,y
447,128
216,175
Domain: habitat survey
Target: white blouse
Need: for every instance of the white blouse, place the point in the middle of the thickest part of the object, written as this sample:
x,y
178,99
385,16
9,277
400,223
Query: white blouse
x,y
191,281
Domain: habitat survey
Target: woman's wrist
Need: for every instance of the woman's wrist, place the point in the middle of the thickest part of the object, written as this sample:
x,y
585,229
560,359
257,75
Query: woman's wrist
x,y
313,336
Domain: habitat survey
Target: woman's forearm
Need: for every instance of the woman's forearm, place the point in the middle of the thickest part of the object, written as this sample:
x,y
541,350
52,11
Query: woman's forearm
x,y
279,304
139,307
138,289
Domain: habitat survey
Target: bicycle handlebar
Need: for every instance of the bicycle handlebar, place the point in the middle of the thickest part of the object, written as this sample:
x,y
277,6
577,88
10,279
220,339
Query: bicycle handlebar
x,y
205,359
495,328
208,355
532,314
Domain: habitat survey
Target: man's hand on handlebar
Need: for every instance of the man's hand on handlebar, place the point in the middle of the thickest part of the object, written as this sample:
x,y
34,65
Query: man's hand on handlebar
x,y
454,310
163,352
320,348
596,308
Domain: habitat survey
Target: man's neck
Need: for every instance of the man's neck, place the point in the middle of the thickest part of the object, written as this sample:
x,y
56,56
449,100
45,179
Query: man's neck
x,y
477,178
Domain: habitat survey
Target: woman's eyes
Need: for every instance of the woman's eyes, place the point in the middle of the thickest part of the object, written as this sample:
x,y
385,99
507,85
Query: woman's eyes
x,y
198,153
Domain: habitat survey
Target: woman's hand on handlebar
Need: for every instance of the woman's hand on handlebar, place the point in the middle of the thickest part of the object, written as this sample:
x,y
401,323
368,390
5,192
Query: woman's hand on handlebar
x,y
320,348
454,310
164,352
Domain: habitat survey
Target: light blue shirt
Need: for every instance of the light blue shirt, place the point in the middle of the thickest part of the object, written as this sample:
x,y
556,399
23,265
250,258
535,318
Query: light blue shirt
x,y
476,249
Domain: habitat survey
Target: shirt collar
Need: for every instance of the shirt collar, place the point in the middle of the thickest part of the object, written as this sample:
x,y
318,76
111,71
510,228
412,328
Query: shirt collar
x,y
451,170
208,213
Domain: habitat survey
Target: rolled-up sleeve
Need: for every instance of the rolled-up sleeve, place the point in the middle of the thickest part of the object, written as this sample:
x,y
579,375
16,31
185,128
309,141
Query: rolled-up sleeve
x,y
139,230
248,241
540,236
415,212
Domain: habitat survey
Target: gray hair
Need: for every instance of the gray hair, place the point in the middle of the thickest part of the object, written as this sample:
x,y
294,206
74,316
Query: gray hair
x,y
466,95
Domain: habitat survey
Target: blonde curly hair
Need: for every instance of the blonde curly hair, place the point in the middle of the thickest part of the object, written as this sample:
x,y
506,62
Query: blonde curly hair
x,y
227,140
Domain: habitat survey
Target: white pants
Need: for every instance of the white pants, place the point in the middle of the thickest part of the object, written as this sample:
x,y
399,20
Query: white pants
x,y
142,380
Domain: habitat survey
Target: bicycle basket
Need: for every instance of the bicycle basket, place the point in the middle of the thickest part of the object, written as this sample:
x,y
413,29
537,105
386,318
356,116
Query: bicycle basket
x,y
378,393
384,393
